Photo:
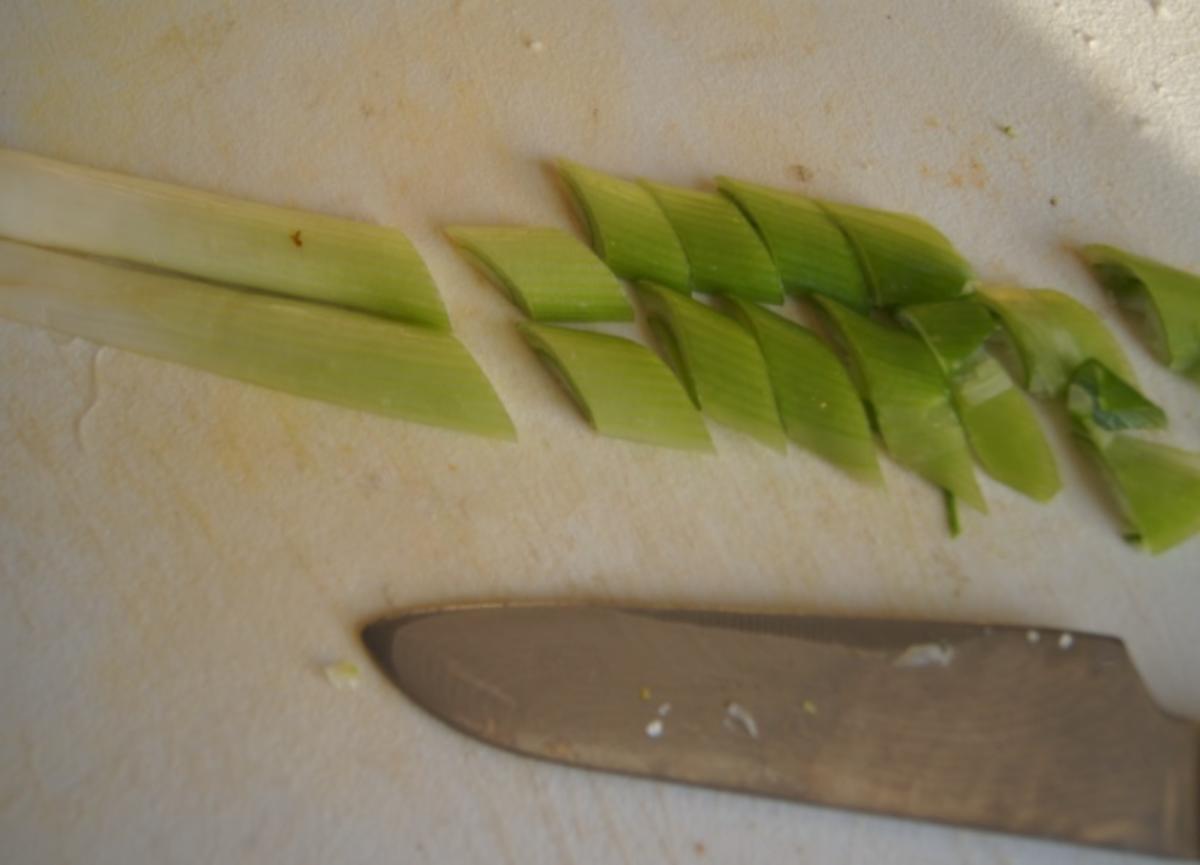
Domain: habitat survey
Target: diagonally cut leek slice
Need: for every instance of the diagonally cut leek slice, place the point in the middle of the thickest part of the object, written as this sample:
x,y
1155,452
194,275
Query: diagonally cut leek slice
x,y
903,384
818,403
1156,486
1109,402
725,253
312,350
622,387
811,252
906,260
718,362
628,228
1164,299
306,255
1001,426
1053,334
546,272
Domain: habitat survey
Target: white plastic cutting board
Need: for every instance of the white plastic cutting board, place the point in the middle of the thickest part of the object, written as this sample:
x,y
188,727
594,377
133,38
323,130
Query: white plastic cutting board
x,y
180,554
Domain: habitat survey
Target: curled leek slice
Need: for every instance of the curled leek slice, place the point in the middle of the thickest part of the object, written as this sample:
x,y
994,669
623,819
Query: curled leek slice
x,y
628,229
1053,334
719,363
305,255
906,260
1156,486
725,253
1166,301
902,383
622,387
818,403
1001,426
546,272
342,357
811,252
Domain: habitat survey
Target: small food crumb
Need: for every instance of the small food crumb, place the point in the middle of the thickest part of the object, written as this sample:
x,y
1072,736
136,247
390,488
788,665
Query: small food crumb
x,y
343,675
655,728
803,173
699,848
537,46
295,236
645,693
810,708
1006,130
738,713
1054,201
1066,641
1032,636
664,710
926,655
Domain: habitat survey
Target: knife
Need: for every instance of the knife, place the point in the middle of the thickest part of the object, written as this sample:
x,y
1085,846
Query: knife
x,y
1029,731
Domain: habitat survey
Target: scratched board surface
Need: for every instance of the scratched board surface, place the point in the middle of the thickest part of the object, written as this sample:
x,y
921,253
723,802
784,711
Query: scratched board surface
x,y
180,554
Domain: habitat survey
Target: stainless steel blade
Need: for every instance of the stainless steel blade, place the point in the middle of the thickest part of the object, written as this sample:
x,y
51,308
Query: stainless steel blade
x,y
1005,728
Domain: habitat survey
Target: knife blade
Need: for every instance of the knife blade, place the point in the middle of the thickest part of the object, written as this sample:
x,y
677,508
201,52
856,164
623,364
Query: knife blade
x,y
1011,729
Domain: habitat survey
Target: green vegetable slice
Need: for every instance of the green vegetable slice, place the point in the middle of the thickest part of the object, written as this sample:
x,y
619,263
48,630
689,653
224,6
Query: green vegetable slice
x,y
312,350
1165,300
811,252
1001,426
1156,486
906,260
291,252
1053,334
1109,402
723,249
546,272
818,403
622,387
628,229
718,362
905,388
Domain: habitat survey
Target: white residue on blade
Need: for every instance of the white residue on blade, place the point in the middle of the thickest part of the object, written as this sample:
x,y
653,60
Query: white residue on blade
x,y
736,713
1066,641
1032,636
926,655
655,728
664,710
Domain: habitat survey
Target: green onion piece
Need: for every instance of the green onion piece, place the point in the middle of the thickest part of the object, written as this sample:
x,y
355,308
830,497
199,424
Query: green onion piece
x,y
1164,299
725,253
622,387
628,228
953,525
1109,402
306,255
546,272
818,403
906,260
1001,425
317,351
811,252
718,362
905,388
1157,487
1053,334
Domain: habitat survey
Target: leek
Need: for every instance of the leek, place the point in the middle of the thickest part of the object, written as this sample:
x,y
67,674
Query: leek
x,y
622,387
817,400
1166,301
811,252
903,385
546,272
338,356
305,255
999,422
719,363
628,229
724,251
1156,487
1053,334
906,260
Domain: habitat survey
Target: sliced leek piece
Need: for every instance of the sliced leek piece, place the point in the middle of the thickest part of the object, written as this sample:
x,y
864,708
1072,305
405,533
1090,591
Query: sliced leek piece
x,y
1001,425
719,363
291,252
622,387
547,273
906,260
1164,299
818,403
810,250
1109,402
901,381
628,229
725,253
1156,486
354,360
1053,334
